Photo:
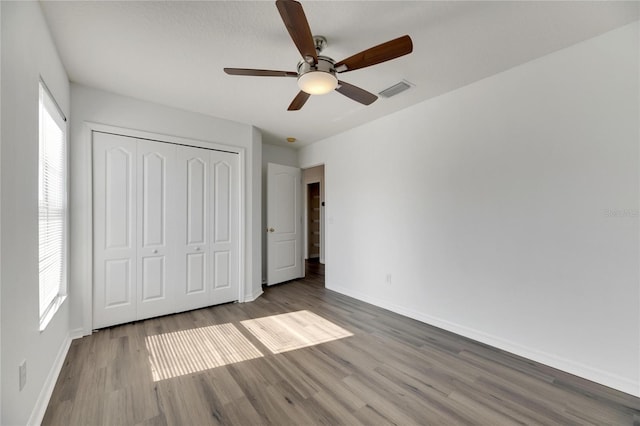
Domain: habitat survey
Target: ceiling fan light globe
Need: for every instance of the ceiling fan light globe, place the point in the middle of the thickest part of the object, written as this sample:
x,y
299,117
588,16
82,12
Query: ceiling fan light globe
x,y
317,82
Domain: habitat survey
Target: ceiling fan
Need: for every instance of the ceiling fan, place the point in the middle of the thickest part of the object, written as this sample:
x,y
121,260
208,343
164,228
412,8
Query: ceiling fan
x,y
317,74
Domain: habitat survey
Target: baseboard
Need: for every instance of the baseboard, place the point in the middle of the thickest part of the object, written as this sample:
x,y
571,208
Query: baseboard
x,y
254,296
47,389
77,333
605,378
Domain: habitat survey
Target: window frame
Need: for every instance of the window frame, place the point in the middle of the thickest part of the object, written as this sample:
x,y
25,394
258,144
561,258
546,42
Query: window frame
x,y
48,105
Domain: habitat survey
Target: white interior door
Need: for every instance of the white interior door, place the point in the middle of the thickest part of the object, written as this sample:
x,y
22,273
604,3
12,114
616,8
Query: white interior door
x,y
284,224
115,239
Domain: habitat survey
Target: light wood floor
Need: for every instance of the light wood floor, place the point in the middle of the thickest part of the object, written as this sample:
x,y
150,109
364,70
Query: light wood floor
x,y
392,370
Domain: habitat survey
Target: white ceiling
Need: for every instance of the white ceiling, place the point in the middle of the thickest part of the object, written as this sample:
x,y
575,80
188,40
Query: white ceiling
x,y
173,52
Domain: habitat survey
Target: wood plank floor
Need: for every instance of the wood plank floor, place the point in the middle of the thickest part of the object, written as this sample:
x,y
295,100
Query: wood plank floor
x,y
392,370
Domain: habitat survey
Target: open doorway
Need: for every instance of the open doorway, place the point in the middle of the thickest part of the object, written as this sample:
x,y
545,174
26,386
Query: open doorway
x,y
313,221
313,184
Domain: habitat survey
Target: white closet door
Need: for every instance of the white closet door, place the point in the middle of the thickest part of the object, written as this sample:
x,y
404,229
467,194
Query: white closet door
x,y
193,246
114,197
225,226
156,229
167,228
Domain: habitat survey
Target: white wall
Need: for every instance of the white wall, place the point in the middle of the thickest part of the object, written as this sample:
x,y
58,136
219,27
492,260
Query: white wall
x,y
278,155
92,105
506,211
0,217
27,52
257,257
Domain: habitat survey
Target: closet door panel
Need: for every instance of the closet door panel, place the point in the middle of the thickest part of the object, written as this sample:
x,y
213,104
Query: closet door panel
x,y
155,221
193,204
196,267
117,191
225,229
222,268
114,198
222,194
196,170
154,194
154,285
118,286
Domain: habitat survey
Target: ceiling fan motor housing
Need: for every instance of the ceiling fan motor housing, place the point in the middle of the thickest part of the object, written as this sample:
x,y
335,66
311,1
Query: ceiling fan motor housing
x,y
317,79
325,64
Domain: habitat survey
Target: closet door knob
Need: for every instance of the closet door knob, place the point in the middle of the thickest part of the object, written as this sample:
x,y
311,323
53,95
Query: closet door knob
x,y
155,251
198,248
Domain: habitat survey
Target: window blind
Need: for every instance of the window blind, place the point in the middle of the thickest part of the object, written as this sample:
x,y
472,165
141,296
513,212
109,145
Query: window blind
x,y
52,205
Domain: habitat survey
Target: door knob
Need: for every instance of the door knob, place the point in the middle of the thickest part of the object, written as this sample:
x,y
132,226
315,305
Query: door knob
x,y
270,230
198,248
155,251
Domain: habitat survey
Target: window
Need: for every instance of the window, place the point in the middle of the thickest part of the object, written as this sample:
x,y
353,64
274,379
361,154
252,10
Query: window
x,y
52,207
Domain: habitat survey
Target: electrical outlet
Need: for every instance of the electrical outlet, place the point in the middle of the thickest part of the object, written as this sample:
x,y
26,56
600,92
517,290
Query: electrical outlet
x,y
22,370
388,279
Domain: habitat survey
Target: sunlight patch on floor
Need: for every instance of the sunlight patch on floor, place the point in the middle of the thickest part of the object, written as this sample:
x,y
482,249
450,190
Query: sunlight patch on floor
x,y
294,330
198,349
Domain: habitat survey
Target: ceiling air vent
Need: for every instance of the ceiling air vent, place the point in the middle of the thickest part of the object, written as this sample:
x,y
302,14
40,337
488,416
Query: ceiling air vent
x,y
395,89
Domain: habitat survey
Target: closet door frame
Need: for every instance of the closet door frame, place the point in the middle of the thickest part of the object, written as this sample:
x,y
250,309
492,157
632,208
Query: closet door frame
x,y
89,128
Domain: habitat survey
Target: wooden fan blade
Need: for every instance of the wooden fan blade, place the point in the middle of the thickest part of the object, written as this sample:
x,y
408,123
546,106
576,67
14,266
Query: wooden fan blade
x,y
296,22
381,53
356,93
260,73
298,101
